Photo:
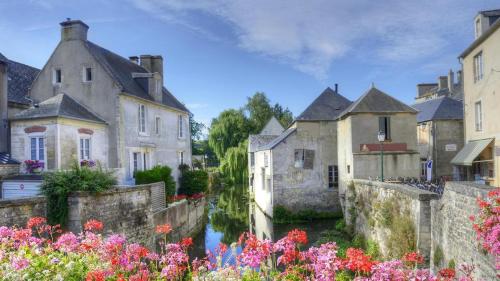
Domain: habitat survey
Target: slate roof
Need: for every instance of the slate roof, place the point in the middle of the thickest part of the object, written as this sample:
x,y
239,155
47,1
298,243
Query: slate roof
x,y
278,140
5,159
255,142
20,78
443,108
491,13
59,106
327,106
121,70
376,101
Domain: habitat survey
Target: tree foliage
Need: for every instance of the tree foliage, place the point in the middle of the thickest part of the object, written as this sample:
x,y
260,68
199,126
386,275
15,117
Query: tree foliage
x,y
259,111
234,164
228,130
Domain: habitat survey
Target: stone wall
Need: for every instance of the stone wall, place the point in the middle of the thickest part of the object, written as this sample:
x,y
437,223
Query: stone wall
x,y
18,211
452,235
8,169
379,210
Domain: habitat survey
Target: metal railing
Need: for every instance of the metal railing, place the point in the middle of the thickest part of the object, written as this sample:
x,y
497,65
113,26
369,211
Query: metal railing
x,y
435,186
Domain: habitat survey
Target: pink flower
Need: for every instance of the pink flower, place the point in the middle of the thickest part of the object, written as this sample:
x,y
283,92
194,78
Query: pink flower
x,y
324,261
19,263
68,242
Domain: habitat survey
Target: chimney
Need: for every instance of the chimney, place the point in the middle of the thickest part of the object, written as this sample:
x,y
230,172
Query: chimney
x,y
73,30
336,88
459,77
134,59
154,64
451,80
442,82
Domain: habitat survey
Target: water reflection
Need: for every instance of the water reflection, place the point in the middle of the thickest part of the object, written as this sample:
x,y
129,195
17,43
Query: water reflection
x,y
230,214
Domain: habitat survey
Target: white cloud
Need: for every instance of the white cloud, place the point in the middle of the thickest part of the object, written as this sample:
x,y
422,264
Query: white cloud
x,y
310,35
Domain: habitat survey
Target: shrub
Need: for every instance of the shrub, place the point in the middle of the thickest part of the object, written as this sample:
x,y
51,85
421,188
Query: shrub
x,y
193,182
372,249
402,238
57,185
281,215
157,174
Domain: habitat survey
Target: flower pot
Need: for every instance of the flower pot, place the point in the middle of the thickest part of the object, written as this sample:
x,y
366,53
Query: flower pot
x,y
37,170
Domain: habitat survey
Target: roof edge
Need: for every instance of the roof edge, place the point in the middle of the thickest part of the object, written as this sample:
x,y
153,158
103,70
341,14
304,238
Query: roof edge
x,y
480,40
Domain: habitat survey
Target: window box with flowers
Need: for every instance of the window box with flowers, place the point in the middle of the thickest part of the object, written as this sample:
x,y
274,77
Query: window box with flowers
x,y
87,163
34,166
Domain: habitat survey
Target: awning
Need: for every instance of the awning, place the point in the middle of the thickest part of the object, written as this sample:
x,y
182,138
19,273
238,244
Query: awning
x,y
469,152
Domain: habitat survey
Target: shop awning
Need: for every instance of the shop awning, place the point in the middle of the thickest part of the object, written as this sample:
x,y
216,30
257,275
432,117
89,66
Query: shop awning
x,y
469,152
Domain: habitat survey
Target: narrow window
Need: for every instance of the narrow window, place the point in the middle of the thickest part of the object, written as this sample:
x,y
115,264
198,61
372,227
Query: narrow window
x,y
158,125
135,163
37,148
478,67
479,116
57,76
85,149
333,176
181,126
266,160
299,158
252,159
263,177
268,186
348,169
181,157
144,161
142,118
88,74
478,28
384,125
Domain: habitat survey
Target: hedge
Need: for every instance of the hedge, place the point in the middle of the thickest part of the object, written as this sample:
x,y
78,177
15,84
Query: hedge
x,y
193,182
157,174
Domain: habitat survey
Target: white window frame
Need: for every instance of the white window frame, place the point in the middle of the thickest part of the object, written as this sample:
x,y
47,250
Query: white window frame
x,y
37,147
158,125
84,74
299,163
142,119
477,27
180,126
54,76
81,150
478,67
478,116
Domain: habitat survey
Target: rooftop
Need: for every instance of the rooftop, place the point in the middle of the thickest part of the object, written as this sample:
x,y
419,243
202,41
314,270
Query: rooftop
x,y
327,106
443,108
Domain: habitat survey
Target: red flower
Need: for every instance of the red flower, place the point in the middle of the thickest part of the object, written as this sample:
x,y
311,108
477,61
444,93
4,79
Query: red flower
x,y
36,221
163,228
356,261
186,242
447,273
93,225
95,276
298,236
414,258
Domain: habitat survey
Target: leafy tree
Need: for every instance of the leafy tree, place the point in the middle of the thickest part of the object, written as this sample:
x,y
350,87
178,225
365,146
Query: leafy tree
x,y
229,129
196,128
259,112
234,165
284,115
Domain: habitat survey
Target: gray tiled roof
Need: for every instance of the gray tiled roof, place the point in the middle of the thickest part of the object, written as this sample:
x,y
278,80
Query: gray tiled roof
x,y
20,77
443,108
121,70
491,13
376,101
278,140
255,142
327,106
59,106
6,159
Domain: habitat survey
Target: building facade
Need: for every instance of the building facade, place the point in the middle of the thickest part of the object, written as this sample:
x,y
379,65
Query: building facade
x,y
120,115
298,169
359,148
479,160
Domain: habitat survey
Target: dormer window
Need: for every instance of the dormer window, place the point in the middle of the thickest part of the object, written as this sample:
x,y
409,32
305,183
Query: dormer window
x,y
477,28
87,74
57,76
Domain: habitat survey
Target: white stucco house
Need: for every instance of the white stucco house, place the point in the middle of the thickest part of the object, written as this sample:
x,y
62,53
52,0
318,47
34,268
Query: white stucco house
x,y
92,104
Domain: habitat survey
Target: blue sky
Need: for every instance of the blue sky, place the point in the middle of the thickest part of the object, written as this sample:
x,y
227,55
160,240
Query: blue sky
x,y
219,52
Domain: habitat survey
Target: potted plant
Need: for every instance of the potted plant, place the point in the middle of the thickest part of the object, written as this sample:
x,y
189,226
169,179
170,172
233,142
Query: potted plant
x,y
34,166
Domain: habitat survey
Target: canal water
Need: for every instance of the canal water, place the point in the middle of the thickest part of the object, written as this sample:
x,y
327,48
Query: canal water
x,y
230,213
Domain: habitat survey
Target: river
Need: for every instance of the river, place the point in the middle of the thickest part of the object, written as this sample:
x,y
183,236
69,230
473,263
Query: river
x,y
230,213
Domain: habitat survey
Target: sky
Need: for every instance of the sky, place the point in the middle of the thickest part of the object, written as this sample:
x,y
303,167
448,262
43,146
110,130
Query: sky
x,y
219,52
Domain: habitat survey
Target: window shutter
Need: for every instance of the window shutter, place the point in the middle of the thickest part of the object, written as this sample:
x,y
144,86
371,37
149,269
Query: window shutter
x,y
381,124
388,128
309,159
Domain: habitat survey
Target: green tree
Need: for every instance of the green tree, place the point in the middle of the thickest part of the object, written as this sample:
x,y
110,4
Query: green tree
x,y
229,129
234,164
284,115
259,111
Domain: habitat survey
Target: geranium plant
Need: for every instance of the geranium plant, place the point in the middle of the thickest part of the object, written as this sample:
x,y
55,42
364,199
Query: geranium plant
x,y
34,166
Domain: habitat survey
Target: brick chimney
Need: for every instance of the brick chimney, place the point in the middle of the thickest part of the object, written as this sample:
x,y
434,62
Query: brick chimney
x,y
4,130
442,82
73,30
451,80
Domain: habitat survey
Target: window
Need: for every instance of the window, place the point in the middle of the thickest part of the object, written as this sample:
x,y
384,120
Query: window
x,y
333,176
477,28
142,118
158,125
479,116
145,161
304,158
268,184
478,67
181,157
252,159
84,148
57,76
135,160
37,148
348,169
181,126
266,160
87,74
384,125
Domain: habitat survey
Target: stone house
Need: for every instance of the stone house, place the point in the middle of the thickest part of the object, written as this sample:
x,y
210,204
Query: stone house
x,y
445,87
298,169
479,160
15,82
359,148
92,104
440,132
